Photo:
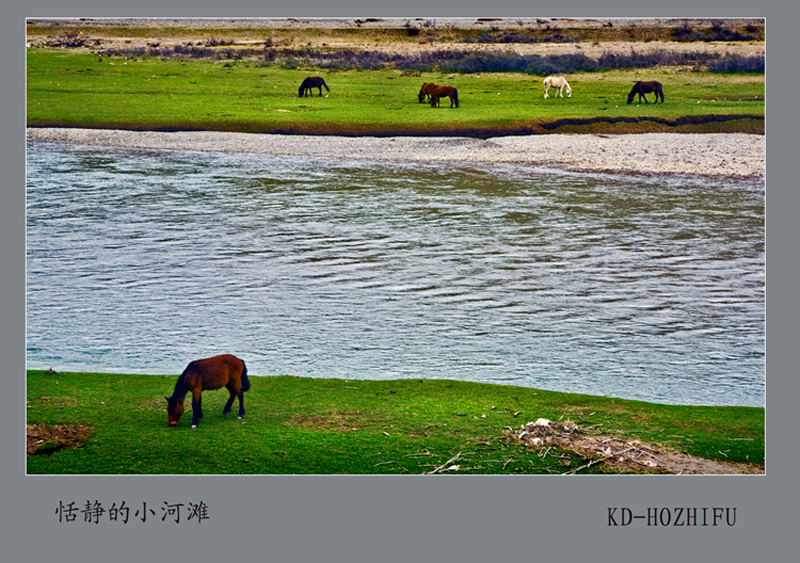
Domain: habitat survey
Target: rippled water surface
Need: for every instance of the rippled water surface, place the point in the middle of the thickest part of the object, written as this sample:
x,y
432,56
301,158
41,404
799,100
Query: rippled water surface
x,y
647,289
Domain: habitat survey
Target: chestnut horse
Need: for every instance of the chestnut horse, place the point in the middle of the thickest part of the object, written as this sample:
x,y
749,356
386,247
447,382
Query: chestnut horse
x,y
557,82
210,373
643,88
309,83
441,92
425,91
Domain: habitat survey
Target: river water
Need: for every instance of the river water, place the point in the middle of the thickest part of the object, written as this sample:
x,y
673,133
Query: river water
x,y
641,288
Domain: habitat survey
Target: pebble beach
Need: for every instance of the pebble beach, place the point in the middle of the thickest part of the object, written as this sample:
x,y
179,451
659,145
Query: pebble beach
x,y
719,155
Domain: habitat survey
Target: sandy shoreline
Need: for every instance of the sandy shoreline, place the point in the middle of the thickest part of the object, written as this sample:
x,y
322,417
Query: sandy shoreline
x,y
731,155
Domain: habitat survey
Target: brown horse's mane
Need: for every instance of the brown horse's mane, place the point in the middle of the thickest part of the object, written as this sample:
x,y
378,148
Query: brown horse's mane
x,y
181,388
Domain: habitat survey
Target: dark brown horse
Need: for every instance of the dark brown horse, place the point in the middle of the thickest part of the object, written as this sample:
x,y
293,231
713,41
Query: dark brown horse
x,y
643,88
211,373
425,91
309,83
441,92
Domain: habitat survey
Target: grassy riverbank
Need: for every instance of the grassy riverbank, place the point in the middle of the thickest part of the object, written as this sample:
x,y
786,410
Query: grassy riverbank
x,y
81,89
116,424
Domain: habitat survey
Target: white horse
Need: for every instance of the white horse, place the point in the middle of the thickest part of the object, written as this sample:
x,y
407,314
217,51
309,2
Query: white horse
x,y
556,82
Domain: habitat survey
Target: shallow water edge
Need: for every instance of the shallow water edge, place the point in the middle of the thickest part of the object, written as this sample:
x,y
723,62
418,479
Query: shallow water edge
x,y
719,155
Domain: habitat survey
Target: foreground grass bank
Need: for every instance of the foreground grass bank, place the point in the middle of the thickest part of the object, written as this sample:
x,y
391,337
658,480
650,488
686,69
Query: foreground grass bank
x,y
70,89
332,426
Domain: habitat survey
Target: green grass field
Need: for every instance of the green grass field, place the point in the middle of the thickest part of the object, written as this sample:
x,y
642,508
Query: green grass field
x,y
85,90
331,426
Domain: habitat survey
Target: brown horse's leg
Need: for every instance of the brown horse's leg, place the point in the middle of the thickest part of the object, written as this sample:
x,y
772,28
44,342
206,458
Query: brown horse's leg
x,y
235,389
197,407
241,403
227,408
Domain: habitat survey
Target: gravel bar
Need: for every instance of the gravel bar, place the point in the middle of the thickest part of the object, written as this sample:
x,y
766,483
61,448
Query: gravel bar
x,y
727,155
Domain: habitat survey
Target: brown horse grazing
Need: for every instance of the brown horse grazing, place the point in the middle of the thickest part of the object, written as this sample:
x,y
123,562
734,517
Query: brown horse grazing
x,y
441,92
643,88
425,91
309,83
211,373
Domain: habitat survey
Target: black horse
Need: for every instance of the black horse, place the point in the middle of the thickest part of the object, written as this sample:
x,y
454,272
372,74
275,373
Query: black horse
x,y
643,88
309,83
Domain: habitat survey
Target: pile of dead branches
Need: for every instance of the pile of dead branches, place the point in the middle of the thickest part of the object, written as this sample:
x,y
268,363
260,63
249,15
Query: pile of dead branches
x,y
586,441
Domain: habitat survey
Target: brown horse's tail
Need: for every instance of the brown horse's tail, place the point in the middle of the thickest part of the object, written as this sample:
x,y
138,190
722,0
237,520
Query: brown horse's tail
x,y
455,96
245,379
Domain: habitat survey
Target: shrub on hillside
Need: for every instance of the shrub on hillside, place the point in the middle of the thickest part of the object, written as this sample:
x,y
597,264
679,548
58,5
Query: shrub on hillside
x,y
735,63
449,60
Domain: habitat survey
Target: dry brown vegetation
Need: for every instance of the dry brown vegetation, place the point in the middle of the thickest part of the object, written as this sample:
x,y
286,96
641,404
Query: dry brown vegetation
x,y
551,36
43,439
552,438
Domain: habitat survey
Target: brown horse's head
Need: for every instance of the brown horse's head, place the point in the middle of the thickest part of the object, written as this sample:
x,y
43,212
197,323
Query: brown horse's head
x,y
174,410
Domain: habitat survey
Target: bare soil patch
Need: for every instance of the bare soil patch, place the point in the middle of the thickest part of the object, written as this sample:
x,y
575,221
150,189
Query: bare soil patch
x,y
336,421
50,439
615,452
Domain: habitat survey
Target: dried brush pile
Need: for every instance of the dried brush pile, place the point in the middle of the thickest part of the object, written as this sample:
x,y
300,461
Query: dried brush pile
x,y
552,438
